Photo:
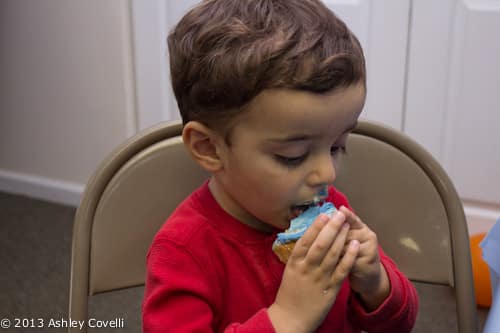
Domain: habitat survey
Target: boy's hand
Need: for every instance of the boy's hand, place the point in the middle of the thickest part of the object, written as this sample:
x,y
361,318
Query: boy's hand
x,y
313,275
368,277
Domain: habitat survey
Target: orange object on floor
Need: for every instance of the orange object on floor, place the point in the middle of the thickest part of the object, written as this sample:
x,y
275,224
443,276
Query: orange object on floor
x,y
480,272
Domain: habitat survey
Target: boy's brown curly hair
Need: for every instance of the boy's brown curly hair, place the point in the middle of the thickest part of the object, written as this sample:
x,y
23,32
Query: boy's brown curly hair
x,y
223,53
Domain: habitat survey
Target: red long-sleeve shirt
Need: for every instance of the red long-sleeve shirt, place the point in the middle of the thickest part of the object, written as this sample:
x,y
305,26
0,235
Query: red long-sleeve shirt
x,y
207,272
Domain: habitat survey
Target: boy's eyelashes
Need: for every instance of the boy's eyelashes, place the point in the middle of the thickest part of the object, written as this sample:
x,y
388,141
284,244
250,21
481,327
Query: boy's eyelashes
x,y
338,149
292,161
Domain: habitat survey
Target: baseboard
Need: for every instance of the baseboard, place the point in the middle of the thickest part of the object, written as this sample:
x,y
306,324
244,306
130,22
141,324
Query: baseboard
x,y
48,189
480,218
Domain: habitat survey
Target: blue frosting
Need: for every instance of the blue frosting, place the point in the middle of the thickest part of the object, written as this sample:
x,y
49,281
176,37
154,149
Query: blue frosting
x,y
323,192
299,225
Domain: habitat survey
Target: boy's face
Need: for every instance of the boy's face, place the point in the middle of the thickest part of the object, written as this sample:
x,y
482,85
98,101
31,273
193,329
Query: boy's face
x,y
284,150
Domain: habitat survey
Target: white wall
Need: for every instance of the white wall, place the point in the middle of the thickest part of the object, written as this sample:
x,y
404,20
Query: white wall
x,y
453,99
66,92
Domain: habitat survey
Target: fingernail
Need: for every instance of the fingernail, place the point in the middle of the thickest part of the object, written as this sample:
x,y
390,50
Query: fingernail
x,y
354,244
340,215
323,218
345,225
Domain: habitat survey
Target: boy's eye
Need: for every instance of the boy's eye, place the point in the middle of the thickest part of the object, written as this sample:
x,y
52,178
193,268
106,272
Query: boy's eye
x,y
338,149
291,161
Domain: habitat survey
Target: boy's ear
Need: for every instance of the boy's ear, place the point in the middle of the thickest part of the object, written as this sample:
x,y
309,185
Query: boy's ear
x,y
202,143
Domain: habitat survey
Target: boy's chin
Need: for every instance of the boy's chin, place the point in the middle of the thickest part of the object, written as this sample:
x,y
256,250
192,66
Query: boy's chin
x,y
268,225
274,224
283,224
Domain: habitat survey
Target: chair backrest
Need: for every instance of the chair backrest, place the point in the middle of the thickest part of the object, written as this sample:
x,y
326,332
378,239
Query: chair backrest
x,y
405,196
393,184
124,204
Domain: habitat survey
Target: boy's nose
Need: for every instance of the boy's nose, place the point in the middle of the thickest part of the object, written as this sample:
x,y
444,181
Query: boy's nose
x,y
323,172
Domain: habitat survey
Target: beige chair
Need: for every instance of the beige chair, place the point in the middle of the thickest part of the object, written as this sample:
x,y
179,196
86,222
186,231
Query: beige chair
x,y
124,204
404,195
394,185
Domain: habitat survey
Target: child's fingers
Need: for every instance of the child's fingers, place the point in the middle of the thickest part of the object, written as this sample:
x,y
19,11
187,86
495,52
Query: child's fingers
x,y
346,263
352,218
368,248
363,251
305,242
360,234
325,240
336,250
364,235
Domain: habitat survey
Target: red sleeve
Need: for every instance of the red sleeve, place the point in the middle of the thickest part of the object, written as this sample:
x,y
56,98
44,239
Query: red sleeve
x,y
398,312
180,298
338,198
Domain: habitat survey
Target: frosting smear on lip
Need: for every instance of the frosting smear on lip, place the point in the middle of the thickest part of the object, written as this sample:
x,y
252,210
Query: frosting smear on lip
x,y
299,225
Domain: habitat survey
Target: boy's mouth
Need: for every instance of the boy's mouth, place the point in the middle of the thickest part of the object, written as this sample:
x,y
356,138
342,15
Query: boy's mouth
x,y
298,209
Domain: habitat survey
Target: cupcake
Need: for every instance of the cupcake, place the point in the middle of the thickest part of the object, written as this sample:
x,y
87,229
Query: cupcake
x,y
285,241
